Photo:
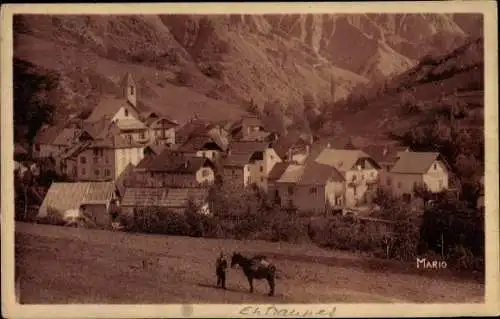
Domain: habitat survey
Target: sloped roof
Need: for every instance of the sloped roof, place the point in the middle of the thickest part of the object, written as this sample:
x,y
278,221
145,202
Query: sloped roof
x,y
120,181
74,150
108,106
165,162
156,148
65,196
318,174
179,197
193,127
342,160
140,196
197,143
292,174
277,170
47,134
384,153
248,146
284,143
238,160
66,137
414,162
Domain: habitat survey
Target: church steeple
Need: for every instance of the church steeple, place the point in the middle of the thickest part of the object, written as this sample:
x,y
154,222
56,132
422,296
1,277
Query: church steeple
x,y
129,89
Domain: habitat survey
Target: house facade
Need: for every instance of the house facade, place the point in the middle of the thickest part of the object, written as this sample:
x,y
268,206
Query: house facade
x,y
162,130
251,162
171,169
310,187
359,170
418,169
106,159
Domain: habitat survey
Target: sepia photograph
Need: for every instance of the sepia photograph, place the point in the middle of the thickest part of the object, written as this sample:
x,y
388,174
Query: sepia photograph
x,y
258,161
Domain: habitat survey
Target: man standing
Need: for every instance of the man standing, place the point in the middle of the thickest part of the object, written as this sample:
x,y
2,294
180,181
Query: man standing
x,y
221,267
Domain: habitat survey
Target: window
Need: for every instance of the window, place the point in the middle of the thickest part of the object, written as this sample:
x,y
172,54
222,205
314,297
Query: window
x,y
262,179
106,160
290,190
37,147
313,190
142,135
84,172
435,166
131,90
83,160
126,112
96,172
261,168
400,185
96,152
440,184
107,172
388,181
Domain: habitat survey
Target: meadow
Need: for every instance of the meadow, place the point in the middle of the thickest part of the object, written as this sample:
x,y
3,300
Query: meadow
x,y
73,265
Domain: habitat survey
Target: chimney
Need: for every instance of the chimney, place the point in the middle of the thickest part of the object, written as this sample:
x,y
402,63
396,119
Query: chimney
x,y
384,153
289,154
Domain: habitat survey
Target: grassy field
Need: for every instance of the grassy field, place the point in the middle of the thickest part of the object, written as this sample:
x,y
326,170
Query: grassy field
x,y
67,265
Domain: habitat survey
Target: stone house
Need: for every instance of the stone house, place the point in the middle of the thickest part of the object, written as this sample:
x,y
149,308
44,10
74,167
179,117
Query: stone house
x,y
418,169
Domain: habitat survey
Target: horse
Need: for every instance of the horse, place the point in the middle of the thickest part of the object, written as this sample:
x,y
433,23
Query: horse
x,y
253,268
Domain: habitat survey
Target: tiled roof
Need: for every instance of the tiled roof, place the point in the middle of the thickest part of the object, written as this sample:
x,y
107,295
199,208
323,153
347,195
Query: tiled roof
x,y
179,197
46,135
74,150
292,174
196,143
414,162
163,197
318,174
277,170
384,153
284,143
342,160
156,148
144,197
166,162
194,127
120,181
238,160
145,162
108,106
66,137
65,196
248,147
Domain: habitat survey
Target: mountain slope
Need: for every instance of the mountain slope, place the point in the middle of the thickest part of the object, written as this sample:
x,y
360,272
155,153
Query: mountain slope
x,y
430,87
211,64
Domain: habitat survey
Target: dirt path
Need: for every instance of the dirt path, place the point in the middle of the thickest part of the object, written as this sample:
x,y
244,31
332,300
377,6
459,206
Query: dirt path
x,y
66,265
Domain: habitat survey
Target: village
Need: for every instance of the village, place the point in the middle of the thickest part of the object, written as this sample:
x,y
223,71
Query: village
x,y
120,159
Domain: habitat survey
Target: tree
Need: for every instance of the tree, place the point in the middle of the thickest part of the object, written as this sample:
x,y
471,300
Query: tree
x,y
32,105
